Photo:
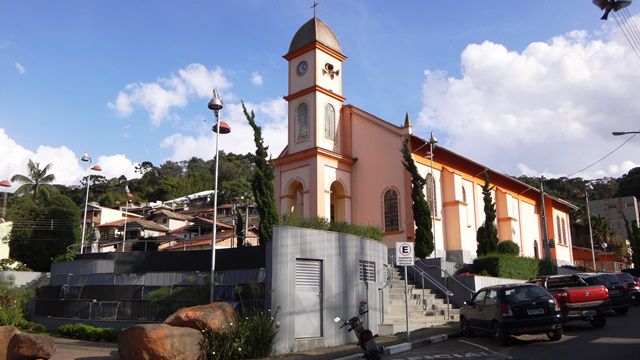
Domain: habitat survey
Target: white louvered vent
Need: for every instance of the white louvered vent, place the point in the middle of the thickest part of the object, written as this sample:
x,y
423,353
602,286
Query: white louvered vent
x,y
367,271
308,273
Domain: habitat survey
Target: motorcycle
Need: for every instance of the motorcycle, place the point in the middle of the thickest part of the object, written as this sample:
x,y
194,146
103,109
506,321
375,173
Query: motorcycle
x,y
366,339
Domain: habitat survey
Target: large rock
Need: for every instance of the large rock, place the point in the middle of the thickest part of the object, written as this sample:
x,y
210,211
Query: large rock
x,y
160,342
216,316
30,347
6,333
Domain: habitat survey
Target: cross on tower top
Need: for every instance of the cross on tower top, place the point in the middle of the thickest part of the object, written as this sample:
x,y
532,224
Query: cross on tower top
x,y
314,7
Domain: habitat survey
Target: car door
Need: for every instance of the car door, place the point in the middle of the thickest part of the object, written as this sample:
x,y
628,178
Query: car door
x,y
473,311
489,310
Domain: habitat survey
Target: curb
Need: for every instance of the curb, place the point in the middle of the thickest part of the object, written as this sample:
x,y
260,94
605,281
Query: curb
x,y
406,346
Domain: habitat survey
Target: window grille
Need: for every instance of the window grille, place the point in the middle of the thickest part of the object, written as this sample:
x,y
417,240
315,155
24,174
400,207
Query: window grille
x,y
329,122
302,122
367,271
391,222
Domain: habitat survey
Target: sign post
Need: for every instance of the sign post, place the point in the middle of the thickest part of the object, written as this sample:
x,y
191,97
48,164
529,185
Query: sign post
x,y
404,257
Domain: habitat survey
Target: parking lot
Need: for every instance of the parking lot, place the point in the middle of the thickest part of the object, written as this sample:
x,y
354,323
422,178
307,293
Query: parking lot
x,y
619,339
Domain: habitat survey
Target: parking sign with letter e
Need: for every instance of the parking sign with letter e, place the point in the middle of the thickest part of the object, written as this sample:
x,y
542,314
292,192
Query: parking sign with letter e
x,y
404,254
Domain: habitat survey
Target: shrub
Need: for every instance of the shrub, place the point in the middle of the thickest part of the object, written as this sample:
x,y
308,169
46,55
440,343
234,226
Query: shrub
x,y
370,232
12,303
508,247
88,332
507,266
31,326
12,265
251,337
546,267
64,257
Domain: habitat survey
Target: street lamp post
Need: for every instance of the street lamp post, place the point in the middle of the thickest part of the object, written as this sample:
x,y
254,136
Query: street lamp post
x,y
604,247
6,184
619,133
593,253
432,143
86,158
219,127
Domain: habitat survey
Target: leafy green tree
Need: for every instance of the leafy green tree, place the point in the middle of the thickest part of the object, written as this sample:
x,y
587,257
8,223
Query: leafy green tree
x,y
262,184
487,236
424,244
629,184
36,181
234,189
42,231
240,230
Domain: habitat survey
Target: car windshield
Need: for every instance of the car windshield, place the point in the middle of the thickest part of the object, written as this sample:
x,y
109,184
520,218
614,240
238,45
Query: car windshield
x,y
602,279
625,277
524,293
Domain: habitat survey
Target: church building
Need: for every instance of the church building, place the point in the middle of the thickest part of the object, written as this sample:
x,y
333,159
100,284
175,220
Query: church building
x,y
344,164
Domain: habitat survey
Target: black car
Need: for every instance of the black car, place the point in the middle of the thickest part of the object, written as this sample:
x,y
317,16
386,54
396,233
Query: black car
x,y
632,284
619,298
513,309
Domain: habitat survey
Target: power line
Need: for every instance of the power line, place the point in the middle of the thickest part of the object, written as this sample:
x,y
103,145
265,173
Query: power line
x,y
604,157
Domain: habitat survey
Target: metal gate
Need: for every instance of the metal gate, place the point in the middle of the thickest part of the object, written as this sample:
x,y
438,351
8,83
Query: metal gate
x,y
308,315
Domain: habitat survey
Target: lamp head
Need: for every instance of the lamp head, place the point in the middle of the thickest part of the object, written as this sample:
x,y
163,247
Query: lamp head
x,y
215,103
86,157
96,168
5,183
433,140
224,127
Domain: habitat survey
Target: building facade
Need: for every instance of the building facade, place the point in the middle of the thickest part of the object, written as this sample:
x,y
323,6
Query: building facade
x,y
616,210
344,164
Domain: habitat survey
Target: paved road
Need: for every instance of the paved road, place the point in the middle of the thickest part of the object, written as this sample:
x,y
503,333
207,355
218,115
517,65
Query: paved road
x,y
620,339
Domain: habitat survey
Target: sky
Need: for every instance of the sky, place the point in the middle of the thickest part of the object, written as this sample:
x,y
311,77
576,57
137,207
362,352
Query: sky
x,y
523,87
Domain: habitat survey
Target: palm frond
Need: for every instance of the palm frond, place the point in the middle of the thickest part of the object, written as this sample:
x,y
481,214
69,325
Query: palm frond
x,y
21,179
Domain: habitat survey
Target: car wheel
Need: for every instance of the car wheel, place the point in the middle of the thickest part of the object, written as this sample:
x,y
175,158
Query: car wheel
x,y
555,335
464,328
622,311
599,321
499,336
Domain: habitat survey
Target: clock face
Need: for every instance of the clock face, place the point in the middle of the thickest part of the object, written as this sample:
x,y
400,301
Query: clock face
x,y
302,68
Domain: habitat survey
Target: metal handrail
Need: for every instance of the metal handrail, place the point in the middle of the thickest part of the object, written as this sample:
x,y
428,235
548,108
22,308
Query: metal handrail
x,y
449,276
431,279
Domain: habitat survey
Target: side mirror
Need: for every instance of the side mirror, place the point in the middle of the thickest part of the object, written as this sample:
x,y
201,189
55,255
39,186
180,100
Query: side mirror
x,y
469,302
337,319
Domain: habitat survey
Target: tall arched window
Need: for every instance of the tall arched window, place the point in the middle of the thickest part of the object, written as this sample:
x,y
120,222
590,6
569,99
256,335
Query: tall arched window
x,y
464,195
564,232
431,194
535,250
391,222
559,236
302,122
329,122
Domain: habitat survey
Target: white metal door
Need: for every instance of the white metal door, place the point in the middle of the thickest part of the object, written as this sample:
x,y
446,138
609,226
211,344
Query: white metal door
x,y
308,315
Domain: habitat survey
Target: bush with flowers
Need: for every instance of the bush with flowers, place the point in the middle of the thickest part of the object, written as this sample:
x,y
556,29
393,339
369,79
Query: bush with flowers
x,y
251,337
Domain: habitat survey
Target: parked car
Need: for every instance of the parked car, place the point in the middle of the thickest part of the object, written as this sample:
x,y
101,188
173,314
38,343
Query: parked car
x,y
513,309
619,298
633,286
578,300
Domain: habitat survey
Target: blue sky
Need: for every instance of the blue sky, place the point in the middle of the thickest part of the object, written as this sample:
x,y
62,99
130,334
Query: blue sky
x,y
502,82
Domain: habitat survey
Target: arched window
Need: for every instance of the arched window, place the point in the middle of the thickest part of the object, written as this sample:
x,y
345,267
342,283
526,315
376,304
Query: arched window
x,y
431,194
464,195
329,122
535,250
564,232
391,222
302,122
559,235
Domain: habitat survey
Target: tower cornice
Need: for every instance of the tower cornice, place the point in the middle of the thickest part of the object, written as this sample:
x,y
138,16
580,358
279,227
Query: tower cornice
x,y
313,46
314,88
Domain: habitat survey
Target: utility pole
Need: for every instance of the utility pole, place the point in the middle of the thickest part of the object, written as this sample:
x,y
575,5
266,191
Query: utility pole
x,y
543,213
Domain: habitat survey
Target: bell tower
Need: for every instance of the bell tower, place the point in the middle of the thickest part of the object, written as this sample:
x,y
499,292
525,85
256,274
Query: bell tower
x,y
315,88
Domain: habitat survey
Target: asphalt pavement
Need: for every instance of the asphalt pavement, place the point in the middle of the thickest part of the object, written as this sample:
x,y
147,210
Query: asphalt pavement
x,y
619,339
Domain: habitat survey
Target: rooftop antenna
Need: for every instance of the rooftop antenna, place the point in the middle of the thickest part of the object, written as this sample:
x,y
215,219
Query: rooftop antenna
x,y
314,7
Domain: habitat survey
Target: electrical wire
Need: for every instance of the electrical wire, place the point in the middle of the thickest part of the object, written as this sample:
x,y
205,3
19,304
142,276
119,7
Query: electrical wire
x,y
623,27
604,157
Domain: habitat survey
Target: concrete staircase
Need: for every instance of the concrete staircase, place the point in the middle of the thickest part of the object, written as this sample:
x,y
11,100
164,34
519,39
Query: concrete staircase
x,y
427,307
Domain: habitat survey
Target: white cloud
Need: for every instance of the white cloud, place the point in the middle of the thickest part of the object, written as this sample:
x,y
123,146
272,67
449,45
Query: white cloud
x,y
160,97
256,79
21,69
65,164
271,115
551,107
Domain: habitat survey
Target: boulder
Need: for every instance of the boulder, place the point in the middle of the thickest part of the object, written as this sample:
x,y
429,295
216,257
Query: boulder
x,y
160,342
6,333
216,316
30,347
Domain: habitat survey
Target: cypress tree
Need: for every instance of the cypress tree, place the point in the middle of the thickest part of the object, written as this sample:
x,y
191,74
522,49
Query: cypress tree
x,y
487,236
424,245
262,183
